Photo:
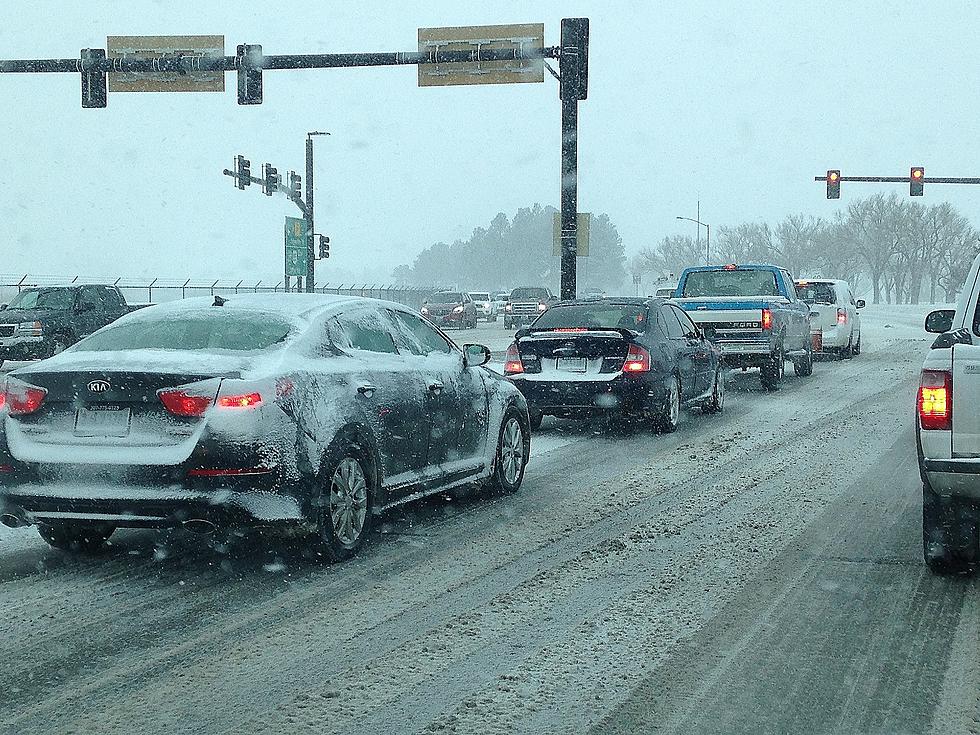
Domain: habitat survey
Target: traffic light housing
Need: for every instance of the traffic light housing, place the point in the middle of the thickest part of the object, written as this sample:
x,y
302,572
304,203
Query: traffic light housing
x,y
917,177
573,64
243,172
271,179
324,246
94,91
295,186
833,184
249,74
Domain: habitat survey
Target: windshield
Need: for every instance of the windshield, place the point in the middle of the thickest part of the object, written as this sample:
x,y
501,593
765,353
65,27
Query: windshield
x,y
816,293
730,283
479,295
447,297
222,331
593,316
58,299
529,293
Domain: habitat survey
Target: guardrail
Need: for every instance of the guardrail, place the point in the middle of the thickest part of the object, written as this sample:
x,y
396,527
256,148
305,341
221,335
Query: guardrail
x,y
158,290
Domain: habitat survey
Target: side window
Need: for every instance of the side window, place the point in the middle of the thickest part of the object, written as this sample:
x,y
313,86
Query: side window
x,y
687,326
788,286
89,297
418,336
670,324
365,330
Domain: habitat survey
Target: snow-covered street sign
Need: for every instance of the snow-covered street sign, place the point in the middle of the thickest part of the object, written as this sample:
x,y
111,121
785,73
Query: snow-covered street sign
x,y
526,38
156,47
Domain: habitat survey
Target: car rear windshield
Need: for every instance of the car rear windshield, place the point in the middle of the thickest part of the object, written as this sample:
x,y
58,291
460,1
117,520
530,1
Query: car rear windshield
x,y
731,283
593,316
816,293
529,293
242,332
58,299
447,297
479,296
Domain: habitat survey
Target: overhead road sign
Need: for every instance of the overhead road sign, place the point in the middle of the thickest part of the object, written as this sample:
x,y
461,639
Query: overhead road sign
x,y
582,239
524,41
189,49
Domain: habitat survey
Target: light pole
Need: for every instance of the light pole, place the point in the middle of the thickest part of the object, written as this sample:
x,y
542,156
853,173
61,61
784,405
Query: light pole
x,y
308,212
700,224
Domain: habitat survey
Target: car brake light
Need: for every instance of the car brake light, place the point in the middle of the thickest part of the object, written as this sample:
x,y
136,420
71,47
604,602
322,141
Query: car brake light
x,y
936,400
245,400
512,361
731,267
180,403
21,399
637,360
842,316
570,329
766,319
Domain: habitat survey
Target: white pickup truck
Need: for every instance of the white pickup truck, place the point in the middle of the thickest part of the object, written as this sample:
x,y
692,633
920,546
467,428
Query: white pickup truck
x,y
948,434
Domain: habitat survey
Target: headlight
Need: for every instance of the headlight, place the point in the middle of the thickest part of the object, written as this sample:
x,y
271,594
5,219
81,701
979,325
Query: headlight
x,y
458,310
542,307
509,307
424,310
31,329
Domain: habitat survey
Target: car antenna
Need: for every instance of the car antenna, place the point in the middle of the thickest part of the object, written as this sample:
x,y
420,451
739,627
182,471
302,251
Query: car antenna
x,y
219,301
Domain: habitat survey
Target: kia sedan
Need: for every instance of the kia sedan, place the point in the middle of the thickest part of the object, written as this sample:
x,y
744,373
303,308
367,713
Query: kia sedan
x,y
287,411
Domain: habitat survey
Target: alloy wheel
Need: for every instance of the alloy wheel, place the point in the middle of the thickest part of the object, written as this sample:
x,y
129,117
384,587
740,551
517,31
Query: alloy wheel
x,y
348,501
512,450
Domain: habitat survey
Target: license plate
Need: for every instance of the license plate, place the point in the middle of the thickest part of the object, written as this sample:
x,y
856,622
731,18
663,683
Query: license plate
x,y
104,421
572,364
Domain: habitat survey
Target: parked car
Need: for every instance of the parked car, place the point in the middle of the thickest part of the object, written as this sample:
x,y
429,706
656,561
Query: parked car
x,y
303,411
450,309
500,300
525,304
948,434
486,308
42,321
835,323
753,314
640,357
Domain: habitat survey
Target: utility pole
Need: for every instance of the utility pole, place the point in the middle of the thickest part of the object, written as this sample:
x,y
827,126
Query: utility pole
x,y
573,65
310,250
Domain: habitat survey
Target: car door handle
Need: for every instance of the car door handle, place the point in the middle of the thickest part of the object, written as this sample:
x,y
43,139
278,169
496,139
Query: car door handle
x,y
436,387
366,390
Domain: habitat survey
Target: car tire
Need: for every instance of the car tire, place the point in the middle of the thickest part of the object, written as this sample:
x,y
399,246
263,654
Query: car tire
x,y
716,404
513,450
74,538
803,366
949,533
848,352
534,419
343,500
772,370
857,346
668,414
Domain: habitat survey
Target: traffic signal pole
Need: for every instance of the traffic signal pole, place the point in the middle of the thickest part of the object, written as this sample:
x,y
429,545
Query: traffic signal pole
x,y
310,262
569,197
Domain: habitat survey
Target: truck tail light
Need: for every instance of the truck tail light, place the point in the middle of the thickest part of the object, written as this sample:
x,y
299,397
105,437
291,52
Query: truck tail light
x,y
244,400
637,360
512,361
935,400
20,398
842,316
766,319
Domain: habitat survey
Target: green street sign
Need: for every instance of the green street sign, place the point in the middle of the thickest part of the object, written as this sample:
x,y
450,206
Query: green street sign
x,y
296,246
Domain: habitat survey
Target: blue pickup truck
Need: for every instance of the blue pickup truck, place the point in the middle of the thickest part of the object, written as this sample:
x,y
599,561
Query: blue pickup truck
x,y
752,313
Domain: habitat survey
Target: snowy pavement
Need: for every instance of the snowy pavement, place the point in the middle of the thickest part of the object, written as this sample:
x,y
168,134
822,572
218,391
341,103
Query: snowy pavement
x,y
755,571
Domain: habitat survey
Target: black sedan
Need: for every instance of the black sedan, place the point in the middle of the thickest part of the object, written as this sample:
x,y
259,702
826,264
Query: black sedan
x,y
639,357
305,411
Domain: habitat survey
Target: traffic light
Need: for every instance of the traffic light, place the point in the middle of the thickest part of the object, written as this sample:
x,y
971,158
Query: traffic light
x,y
833,184
295,186
917,177
93,82
573,64
271,179
249,74
324,246
243,172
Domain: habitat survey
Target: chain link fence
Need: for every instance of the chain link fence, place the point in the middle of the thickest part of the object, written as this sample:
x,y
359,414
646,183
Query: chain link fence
x,y
157,290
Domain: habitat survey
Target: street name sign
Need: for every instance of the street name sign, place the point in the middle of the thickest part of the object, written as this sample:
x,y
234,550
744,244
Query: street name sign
x,y
526,37
155,47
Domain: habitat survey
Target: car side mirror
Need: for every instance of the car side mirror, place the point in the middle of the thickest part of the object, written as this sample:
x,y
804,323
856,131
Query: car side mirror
x,y
860,303
3,307
476,355
940,321
522,332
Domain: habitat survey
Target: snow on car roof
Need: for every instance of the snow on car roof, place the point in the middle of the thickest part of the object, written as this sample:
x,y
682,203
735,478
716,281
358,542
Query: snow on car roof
x,y
302,305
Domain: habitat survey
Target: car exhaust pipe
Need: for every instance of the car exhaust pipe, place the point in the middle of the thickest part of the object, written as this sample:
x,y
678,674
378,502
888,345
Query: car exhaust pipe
x,y
199,525
12,521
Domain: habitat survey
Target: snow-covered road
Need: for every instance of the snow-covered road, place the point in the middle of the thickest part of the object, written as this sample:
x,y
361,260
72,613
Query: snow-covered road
x,y
756,571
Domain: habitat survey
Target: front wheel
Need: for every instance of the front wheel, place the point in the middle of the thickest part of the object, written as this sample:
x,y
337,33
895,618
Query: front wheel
x,y
772,370
76,538
513,448
343,502
669,414
716,404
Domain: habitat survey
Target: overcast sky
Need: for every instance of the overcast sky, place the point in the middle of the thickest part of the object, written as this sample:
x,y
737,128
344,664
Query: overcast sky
x,y
736,104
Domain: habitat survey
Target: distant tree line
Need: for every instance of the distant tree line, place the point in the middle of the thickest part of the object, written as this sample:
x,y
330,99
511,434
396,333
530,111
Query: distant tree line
x,y
518,252
899,250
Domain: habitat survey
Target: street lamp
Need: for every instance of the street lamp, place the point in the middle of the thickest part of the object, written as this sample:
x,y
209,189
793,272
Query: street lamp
x,y
700,224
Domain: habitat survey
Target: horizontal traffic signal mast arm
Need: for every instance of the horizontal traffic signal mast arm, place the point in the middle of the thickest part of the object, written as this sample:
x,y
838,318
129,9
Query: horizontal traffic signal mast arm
x,y
275,61
906,179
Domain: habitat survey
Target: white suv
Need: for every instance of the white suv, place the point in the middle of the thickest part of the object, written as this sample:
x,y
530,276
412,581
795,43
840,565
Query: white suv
x,y
833,315
948,434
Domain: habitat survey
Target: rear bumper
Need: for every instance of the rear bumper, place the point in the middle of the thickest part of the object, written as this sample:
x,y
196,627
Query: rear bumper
x,y
24,348
835,338
953,477
557,397
744,353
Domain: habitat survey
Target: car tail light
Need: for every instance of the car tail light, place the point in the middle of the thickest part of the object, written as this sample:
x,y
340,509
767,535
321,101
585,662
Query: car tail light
x,y
637,360
181,403
571,329
842,316
766,319
242,400
20,398
512,361
731,267
936,400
